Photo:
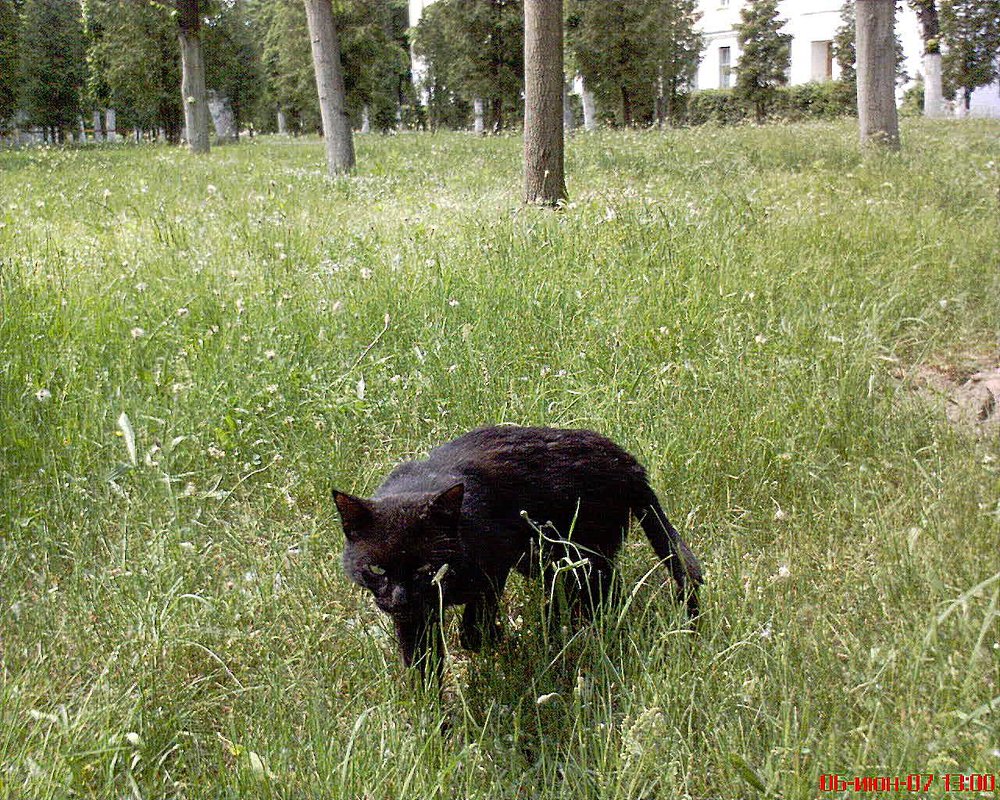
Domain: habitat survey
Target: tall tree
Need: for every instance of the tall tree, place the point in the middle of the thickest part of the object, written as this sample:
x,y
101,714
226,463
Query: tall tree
x,y
474,49
930,30
971,31
877,116
611,44
53,64
544,177
845,51
677,45
765,55
194,95
337,133
9,67
140,82
233,60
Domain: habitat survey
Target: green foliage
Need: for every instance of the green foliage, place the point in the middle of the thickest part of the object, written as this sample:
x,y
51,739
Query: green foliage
x,y
637,56
913,100
741,307
233,59
373,53
9,62
611,44
473,49
825,100
134,63
287,61
971,32
676,52
376,60
765,55
845,46
845,42
52,63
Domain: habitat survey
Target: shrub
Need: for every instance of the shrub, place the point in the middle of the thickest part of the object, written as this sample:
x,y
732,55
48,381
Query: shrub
x,y
826,100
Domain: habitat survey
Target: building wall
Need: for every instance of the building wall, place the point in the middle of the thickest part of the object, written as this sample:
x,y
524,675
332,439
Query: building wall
x,y
812,24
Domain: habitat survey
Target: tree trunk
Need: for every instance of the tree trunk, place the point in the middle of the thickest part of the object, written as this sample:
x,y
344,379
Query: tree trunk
x,y
930,32
626,107
111,124
193,95
589,108
478,126
223,119
282,123
544,177
337,133
933,94
496,107
366,120
568,122
879,122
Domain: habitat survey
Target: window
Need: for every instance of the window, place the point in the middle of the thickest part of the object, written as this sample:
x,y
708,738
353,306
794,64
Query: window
x,y
725,68
822,61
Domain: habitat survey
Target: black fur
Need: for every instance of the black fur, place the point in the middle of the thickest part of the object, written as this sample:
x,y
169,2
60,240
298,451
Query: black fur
x,y
449,529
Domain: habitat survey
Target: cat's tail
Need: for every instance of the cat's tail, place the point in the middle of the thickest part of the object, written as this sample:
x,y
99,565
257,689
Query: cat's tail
x,y
684,566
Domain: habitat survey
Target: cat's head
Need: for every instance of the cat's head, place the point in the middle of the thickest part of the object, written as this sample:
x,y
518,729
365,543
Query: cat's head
x,y
395,545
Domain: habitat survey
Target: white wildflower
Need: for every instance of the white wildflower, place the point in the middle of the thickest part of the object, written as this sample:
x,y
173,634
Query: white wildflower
x,y
138,333
43,395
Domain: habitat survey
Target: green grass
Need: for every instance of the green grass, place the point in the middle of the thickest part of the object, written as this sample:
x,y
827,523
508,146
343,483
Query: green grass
x,y
734,306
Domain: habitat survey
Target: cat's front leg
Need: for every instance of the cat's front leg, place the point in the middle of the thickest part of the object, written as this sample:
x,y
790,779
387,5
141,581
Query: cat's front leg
x,y
419,638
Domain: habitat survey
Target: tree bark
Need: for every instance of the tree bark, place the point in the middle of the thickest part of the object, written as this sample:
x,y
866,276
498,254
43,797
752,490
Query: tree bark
x,y
194,98
478,126
223,119
877,116
544,176
337,133
589,108
568,122
933,93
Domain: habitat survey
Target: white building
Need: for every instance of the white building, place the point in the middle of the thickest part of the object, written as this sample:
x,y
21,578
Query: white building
x,y
812,24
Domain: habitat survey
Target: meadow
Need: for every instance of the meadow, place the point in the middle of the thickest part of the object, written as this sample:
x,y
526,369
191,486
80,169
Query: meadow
x,y
195,351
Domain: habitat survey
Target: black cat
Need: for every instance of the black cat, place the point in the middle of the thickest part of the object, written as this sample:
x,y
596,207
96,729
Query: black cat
x,y
448,530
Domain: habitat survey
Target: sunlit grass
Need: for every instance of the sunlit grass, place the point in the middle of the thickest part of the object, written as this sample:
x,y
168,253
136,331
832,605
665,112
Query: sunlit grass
x,y
734,306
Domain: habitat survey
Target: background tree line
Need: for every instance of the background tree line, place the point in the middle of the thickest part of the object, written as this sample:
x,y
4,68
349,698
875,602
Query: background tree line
x,y
63,60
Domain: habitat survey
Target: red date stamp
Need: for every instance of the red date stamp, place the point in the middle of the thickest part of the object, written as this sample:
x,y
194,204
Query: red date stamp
x,y
914,782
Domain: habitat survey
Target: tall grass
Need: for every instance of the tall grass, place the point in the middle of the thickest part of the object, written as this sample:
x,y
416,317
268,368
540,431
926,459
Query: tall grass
x,y
734,306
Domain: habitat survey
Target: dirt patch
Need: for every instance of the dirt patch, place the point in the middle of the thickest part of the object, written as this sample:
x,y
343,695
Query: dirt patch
x,y
968,390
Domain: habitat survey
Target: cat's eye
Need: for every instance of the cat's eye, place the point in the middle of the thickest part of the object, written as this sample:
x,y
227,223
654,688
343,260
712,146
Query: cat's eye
x,y
375,569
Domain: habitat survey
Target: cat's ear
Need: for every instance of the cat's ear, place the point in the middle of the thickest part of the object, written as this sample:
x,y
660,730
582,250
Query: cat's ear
x,y
449,501
355,514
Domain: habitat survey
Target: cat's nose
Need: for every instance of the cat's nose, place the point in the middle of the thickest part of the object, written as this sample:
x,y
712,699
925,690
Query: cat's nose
x,y
399,597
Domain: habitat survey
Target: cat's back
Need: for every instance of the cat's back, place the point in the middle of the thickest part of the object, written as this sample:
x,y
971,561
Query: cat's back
x,y
535,456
